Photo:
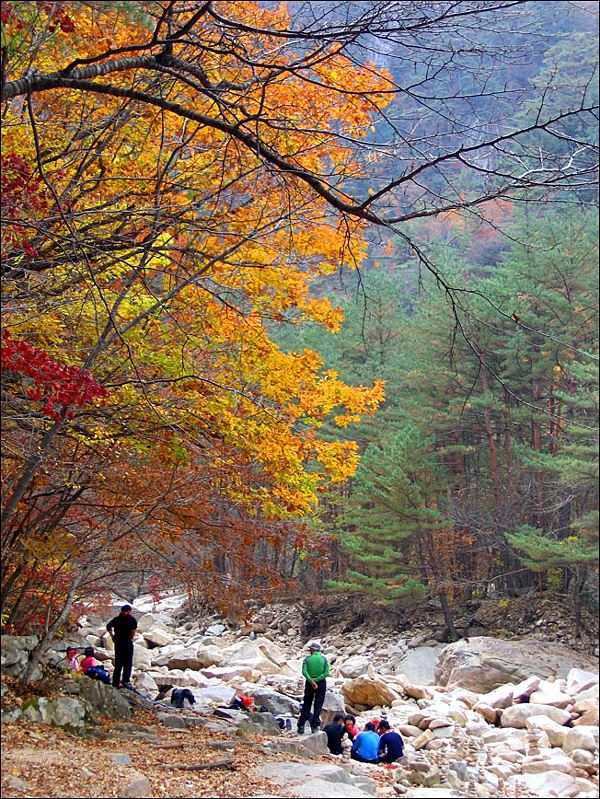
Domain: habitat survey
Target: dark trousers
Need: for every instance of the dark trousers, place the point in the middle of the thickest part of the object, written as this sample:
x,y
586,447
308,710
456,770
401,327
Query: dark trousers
x,y
318,696
362,759
123,662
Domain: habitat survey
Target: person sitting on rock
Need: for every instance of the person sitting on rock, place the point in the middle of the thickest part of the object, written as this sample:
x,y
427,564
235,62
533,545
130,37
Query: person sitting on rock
x,y
391,745
72,662
365,748
91,668
350,725
335,732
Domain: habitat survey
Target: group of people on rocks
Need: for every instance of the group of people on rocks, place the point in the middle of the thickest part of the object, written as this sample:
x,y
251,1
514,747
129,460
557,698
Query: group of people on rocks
x,y
122,630
377,743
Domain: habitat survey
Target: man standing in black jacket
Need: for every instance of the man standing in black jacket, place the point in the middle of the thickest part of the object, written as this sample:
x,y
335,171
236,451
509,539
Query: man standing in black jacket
x,y
122,629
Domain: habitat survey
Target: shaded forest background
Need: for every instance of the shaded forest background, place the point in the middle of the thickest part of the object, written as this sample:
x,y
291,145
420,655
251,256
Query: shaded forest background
x,y
297,301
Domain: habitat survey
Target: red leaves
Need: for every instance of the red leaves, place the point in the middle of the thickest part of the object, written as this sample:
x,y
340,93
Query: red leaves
x,y
55,12
21,191
59,387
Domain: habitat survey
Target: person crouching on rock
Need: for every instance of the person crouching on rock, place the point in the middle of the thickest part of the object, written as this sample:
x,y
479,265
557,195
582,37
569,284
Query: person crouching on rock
x,y
365,748
122,629
391,745
315,669
335,732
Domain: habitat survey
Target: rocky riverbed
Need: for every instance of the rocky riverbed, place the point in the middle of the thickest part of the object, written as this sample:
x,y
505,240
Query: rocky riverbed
x,y
480,717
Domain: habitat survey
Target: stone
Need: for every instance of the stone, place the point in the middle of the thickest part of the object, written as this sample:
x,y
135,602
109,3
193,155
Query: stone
x,y
548,760
517,715
581,738
555,732
548,693
15,651
484,663
157,636
17,784
68,712
138,786
227,673
275,702
524,689
141,658
548,783
423,739
105,699
171,720
121,758
215,629
418,665
145,684
354,666
587,710
579,680
369,692
500,697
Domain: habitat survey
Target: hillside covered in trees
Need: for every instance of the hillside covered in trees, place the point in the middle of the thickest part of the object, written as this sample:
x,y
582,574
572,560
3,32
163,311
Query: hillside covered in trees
x,y
298,298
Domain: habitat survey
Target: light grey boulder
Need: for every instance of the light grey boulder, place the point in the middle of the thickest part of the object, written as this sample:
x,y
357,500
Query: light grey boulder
x,y
549,693
105,699
138,785
275,702
354,666
15,651
484,663
68,712
547,783
556,732
581,738
517,715
141,658
579,680
145,684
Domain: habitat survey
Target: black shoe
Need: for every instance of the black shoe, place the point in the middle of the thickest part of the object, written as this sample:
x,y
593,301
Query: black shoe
x,y
314,729
127,685
300,729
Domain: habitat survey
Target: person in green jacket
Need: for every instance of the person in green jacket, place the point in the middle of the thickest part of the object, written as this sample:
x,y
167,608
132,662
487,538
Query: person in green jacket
x,y
315,669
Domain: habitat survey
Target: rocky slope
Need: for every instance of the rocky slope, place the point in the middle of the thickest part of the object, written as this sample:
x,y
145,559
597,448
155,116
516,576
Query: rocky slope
x,y
481,717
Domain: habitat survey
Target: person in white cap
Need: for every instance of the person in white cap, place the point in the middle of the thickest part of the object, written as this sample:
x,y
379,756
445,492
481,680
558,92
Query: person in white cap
x,y
315,669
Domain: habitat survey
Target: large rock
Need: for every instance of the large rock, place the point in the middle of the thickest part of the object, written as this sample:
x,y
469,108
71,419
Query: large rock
x,y
517,715
275,702
548,783
369,692
581,738
548,693
579,680
419,664
141,658
105,699
484,663
15,651
354,666
319,779
556,732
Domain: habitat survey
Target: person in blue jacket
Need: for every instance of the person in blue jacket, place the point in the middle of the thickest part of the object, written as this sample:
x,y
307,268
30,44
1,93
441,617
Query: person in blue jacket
x,y
365,748
391,745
